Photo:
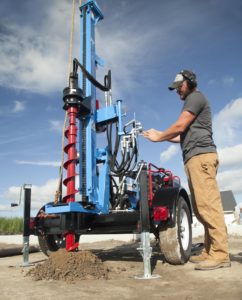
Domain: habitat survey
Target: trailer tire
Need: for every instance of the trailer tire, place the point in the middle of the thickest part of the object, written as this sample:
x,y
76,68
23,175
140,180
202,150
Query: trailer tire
x,y
50,243
176,242
53,242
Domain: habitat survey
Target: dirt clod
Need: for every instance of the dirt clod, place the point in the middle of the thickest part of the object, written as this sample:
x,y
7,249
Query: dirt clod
x,y
70,266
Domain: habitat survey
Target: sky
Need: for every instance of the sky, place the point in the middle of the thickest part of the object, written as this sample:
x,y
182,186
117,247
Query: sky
x,y
145,44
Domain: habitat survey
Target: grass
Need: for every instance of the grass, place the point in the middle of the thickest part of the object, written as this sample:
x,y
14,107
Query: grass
x,y
11,225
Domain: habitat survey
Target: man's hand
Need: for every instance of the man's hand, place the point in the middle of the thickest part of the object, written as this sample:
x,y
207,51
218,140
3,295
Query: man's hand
x,y
153,135
172,133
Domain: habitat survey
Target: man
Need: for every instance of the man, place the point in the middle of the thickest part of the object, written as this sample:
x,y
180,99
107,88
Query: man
x,y
193,130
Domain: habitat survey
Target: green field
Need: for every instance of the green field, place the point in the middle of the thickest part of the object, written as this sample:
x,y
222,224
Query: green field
x,y
11,225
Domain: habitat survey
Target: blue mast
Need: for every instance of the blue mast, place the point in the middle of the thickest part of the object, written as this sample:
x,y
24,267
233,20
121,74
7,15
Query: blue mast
x,y
90,15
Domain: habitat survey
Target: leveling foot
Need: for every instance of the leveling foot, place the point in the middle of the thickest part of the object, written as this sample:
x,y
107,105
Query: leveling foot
x,y
25,252
146,252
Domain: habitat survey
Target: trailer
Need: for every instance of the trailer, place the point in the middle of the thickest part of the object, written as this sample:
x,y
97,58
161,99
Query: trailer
x,y
116,192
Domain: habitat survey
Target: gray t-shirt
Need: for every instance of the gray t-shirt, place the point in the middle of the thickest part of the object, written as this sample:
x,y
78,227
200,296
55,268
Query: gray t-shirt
x,y
198,137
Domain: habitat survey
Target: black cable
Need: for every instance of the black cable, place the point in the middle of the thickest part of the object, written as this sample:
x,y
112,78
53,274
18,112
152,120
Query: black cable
x,y
107,79
109,137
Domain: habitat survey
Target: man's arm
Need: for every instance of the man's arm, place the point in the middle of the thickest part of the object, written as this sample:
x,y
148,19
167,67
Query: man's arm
x,y
175,139
173,132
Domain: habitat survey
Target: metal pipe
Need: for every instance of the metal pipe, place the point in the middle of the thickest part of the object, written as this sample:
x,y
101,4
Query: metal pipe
x,y
119,113
26,229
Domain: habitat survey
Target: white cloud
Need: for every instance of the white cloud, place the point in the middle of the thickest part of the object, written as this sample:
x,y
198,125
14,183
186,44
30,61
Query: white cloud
x,y
36,59
120,49
13,108
40,195
38,163
56,125
230,161
6,208
228,81
6,140
169,153
228,124
230,156
18,106
228,133
230,180
211,81
132,51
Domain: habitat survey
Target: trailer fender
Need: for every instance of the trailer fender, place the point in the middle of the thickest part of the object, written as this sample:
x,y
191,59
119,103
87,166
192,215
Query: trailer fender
x,y
181,193
169,197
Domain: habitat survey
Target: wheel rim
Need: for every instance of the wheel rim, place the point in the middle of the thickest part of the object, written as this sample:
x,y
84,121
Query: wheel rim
x,y
184,229
60,241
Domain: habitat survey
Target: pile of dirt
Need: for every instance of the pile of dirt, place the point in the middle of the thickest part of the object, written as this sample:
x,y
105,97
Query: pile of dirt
x,y
70,266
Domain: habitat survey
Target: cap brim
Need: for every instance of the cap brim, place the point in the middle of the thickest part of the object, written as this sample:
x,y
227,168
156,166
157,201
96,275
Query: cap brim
x,y
175,85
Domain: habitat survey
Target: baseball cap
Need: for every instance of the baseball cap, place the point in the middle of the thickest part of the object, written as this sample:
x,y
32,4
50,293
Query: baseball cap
x,y
180,77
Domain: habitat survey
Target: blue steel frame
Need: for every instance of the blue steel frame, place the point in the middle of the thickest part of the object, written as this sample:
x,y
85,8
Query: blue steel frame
x,y
90,15
97,186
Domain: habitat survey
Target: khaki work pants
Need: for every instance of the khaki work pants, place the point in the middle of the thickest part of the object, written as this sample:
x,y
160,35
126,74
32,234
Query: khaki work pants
x,y
201,172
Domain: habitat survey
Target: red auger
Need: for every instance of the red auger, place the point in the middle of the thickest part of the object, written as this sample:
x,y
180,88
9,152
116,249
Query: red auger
x,y
72,97
70,150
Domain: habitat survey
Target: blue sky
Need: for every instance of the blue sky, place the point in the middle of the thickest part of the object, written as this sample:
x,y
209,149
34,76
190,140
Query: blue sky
x,y
144,43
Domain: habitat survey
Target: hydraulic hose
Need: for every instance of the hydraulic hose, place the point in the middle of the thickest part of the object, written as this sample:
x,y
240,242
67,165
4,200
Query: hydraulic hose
x,y
123,167
107,78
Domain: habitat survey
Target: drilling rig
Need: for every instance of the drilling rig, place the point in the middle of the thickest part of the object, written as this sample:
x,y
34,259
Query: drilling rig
x,y
108,190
